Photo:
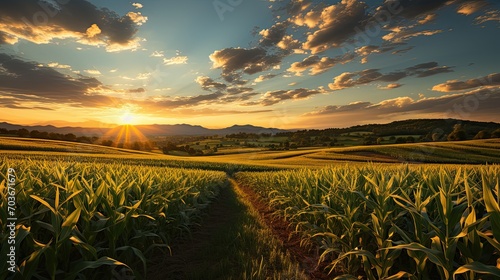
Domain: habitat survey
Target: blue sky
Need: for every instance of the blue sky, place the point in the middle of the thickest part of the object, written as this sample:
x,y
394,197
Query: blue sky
x,y
287,64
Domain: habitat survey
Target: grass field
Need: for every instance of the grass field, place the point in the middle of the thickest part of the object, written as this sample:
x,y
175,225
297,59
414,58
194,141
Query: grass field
x,y
417,211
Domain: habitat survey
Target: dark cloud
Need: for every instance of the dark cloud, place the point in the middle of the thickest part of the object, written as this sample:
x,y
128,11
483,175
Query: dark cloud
x,y
234,61
136,90
273,35
42,21
477,105
37,83
295,7
273,97
208,83
317,65
26,85
348,79
434,71
455,85
412,8
337,24
238,90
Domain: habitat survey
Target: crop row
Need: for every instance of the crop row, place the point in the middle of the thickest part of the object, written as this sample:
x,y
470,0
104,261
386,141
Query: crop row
x,y
393,221
88,220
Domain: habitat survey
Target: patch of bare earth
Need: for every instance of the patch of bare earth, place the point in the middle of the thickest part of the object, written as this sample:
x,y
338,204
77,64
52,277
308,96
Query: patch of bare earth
x,y
307,257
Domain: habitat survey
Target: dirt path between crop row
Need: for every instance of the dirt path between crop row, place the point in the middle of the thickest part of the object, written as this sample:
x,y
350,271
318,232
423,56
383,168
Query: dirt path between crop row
x,y
308,258
188,253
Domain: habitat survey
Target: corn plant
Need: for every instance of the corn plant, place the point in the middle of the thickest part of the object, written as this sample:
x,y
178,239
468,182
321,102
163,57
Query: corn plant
x,y
393,221
88,220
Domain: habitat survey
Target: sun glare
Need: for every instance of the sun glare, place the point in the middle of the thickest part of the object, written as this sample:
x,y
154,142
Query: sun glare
x,y
127,119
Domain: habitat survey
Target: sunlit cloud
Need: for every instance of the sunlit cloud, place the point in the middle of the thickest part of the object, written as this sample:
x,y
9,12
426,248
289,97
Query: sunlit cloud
x,y
57,65
92,72
391,86
352,79
175,60
471,7
99,27
137,17
158,54
456,85
137,5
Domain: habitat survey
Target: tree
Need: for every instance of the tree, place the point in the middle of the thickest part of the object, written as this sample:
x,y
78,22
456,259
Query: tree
x,y
23,132
483,134
108,143
496,133
458,133
380,140
400,140
410,139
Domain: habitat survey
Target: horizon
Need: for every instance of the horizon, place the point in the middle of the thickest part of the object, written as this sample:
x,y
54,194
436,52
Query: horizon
x,y
67,125
301,64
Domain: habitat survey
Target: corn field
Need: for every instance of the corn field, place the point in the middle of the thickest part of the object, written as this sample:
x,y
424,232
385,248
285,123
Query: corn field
x,y
89,220
393,221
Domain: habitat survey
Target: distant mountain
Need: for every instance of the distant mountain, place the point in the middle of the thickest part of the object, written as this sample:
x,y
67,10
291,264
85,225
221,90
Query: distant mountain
x,y
146,130
406,127
79,131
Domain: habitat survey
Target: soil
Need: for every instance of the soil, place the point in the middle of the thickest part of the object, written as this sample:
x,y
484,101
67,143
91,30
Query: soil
x,y
185,254
307,257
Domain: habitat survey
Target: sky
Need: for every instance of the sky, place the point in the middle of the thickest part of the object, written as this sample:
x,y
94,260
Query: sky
x,y
284,64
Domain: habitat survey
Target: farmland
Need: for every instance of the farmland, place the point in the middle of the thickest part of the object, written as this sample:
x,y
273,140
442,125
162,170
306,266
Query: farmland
x,y
392,211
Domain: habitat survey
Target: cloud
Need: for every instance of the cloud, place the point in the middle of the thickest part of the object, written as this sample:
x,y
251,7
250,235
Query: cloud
x,y
401,34
137,5
391,86
35,86
208,83
273,35
137,18
411,9
234,61
157,54
7,39
92,72
93,30
262,78
337,23
179,59
434,71
488,16
455,85
289,43
295,7
31,82
57,65
471,7
317,65
274,97
428,18
41,22
351,79
477,105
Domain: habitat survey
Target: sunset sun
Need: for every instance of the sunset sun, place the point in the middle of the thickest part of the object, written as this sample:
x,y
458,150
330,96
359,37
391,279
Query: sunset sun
x,y
128,118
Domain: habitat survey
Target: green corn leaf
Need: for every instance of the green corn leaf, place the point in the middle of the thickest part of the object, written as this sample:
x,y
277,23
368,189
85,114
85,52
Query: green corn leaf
x,y
43,202
80,266
478,268
72,219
